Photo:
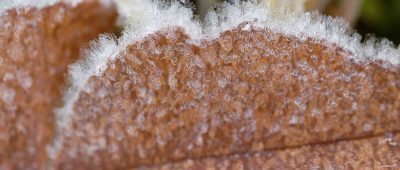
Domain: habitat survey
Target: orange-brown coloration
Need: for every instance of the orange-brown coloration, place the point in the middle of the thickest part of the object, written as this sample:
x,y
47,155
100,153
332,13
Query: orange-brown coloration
x,y
165,100
36,47
380,153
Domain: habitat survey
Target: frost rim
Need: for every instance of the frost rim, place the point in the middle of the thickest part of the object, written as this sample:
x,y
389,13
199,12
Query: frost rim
x,y
319,28
10,4
26,4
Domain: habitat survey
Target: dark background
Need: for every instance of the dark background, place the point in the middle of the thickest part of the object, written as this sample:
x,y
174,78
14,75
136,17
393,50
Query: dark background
x,y
380,17
377,17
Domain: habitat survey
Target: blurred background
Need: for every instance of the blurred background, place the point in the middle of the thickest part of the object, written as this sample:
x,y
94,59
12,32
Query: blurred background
x,y
377,17
380,18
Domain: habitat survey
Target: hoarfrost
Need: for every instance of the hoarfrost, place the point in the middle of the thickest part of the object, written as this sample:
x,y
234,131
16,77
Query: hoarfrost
x,y
294,120
367,127
8,77
24,79
8,4
7,94
390,139
155,17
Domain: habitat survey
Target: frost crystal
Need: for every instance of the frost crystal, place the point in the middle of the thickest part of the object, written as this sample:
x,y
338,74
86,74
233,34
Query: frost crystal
x,y
38,39
24,79
8,4
7,94
170,76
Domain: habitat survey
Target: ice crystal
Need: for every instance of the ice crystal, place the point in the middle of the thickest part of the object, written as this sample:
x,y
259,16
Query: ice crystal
x,y
247,15
8,4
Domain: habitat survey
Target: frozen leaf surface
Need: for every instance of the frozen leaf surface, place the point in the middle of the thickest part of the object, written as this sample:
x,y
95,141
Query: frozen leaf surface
x,y
247,80
36,46
380,152
14,4
165,100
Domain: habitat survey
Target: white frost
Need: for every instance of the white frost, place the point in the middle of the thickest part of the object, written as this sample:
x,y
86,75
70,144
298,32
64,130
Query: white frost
x,y
7,94
155,18
8,4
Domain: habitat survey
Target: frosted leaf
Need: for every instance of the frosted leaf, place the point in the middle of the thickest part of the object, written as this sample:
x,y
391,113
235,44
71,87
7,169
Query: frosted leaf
x,y
215,73
8,4
306,157
37,45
